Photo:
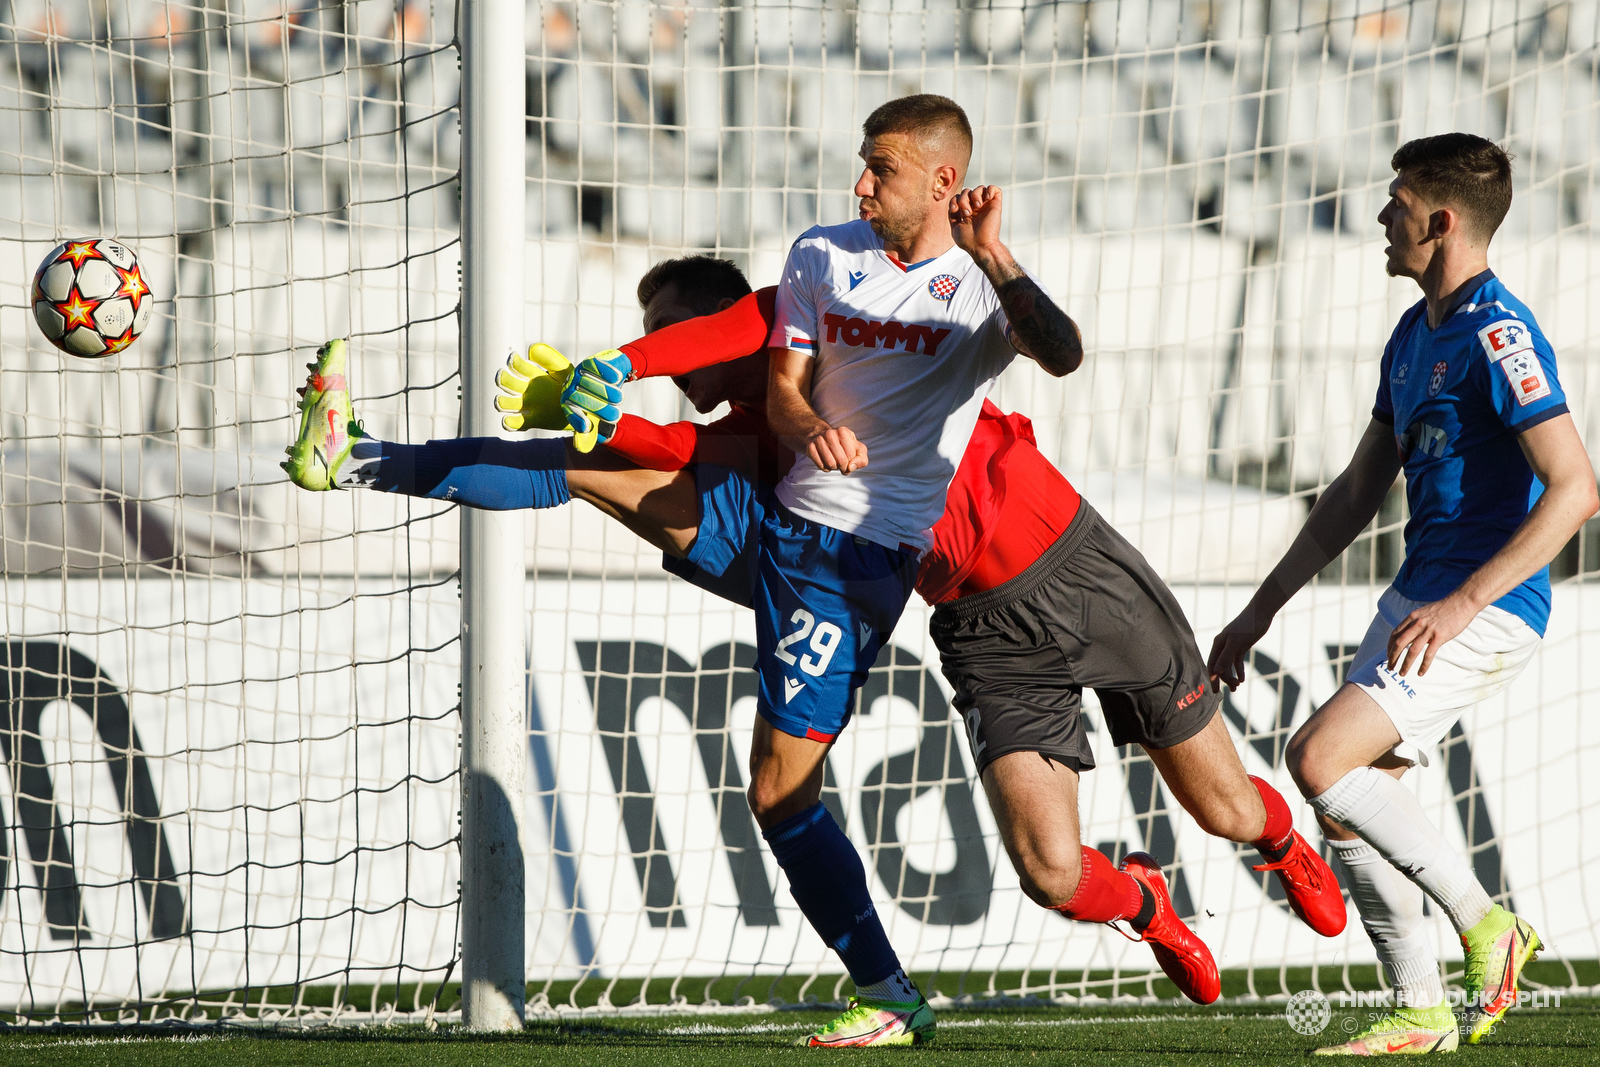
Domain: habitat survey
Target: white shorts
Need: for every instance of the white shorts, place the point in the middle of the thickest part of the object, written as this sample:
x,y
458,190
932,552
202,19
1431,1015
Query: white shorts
x,y
1485,658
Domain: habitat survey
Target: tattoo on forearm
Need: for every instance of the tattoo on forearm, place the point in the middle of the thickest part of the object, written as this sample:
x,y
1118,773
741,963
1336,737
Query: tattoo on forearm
x,y
1043,330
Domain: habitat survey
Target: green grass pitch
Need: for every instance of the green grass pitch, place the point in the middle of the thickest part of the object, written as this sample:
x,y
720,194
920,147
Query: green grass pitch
x,y
1163,1034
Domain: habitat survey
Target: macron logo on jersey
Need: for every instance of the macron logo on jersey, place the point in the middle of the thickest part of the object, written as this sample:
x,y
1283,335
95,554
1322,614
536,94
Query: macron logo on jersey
x,y
1505,338
865,333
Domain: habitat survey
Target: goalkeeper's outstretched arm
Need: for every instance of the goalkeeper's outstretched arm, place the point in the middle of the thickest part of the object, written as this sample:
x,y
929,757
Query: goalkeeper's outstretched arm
x,y
707,339
591,398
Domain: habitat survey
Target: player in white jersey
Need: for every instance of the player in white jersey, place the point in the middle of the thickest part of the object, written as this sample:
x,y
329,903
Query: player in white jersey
x,y
889,333
849,314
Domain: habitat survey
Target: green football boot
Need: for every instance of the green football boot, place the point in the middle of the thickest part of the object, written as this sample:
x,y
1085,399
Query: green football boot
x,y
876,1024
1403,1032
1496,950
328,429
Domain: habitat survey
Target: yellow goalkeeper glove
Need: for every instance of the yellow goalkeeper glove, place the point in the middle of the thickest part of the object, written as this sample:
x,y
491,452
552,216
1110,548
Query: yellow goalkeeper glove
x,y
529,392
592,396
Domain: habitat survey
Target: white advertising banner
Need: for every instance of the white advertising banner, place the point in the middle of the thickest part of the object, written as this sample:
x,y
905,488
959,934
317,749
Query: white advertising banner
x,y
666,877
224,785
242,786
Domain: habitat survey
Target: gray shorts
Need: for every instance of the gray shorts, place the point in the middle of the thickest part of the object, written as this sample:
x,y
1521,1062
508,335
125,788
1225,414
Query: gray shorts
x,y
1089,612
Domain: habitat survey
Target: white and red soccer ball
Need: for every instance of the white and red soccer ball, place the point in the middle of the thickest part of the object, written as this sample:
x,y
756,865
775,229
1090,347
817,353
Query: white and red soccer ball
x,y
90,298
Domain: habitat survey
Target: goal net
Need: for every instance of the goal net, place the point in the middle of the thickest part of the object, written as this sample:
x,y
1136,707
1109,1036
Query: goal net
x,y
227,708
230,708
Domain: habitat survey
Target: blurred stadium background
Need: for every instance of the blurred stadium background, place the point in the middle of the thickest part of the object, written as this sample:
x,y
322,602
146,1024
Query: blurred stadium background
x,y
1197,182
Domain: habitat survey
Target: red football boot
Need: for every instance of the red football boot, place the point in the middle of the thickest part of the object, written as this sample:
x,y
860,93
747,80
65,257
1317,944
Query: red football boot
x,y
1180,952
1312,889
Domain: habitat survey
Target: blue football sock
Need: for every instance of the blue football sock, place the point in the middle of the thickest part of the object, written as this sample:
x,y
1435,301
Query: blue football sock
x,y
830,885
480,472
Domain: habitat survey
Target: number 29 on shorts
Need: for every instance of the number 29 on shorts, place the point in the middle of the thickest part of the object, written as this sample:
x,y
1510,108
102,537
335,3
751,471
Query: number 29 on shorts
x,y
825,637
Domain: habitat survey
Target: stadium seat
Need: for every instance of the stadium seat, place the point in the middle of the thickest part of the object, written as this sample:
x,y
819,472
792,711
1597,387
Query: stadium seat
x,y
1433,94
1090,122
1117,27
995,31
908,34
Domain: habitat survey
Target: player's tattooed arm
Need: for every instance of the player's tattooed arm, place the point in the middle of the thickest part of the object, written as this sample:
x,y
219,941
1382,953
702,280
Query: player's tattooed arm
x,y
1039,329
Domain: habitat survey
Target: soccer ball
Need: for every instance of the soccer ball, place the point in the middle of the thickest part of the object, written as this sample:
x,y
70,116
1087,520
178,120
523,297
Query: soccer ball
x,y
90,298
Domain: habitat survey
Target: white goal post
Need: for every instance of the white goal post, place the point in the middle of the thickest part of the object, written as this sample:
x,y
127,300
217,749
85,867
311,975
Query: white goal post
x,y
284,758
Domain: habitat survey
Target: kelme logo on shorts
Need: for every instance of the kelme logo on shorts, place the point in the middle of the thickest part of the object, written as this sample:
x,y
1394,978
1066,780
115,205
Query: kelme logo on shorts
x,y
865,333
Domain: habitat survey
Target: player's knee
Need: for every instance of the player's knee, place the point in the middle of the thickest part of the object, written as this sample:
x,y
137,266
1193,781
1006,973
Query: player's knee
x,y
771,803
1049,883
1234,816
763,801
1308,761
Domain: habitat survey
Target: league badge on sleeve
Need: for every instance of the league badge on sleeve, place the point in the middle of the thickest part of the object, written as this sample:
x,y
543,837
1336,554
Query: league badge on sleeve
x,y
1505,338
1526,376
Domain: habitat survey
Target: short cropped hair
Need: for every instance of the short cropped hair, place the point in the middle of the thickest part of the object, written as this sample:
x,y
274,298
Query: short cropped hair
x,y
926,115
703,282
1462,170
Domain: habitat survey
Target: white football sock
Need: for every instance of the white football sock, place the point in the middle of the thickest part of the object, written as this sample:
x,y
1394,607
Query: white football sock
x,y
361,466
1388,817
898,988
1391,910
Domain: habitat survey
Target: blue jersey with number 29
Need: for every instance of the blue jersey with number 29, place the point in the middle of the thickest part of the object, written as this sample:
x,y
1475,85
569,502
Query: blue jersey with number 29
x,y
1458,396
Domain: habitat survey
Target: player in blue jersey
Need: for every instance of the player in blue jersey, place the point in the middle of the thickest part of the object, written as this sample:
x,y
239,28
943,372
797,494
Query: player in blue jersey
x,y
1470,407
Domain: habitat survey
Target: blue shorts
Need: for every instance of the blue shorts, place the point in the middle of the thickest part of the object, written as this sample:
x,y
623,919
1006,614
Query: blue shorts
x,y
825,601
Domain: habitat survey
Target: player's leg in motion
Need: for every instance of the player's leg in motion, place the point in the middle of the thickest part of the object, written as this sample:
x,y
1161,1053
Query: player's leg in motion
x,y
1347,760
1035,801
332,451
1206,776
829,883
1154,690
825,603
1091,612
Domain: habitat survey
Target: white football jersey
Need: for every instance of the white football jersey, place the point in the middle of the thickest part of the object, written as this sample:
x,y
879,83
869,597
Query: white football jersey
x,y
904,358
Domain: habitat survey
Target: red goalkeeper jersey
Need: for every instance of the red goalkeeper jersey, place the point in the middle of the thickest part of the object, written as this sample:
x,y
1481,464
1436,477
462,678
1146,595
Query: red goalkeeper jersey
x,y
1005,505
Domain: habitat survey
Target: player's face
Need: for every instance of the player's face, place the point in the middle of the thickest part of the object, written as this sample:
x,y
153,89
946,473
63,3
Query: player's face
x,y
708,387
743,379
895,187
1405,223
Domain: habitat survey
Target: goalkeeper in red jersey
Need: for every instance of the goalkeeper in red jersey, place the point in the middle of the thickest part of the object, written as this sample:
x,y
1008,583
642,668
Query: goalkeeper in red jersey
x,y
1035,597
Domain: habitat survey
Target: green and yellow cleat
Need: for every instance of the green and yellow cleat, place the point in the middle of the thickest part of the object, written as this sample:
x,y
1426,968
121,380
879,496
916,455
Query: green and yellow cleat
x,y
328,429
876,1024
1403,1032
1496,951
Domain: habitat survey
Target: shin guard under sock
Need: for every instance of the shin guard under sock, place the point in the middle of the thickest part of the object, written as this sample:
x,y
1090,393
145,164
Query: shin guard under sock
x,y
829,883
1387,816
1391,910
